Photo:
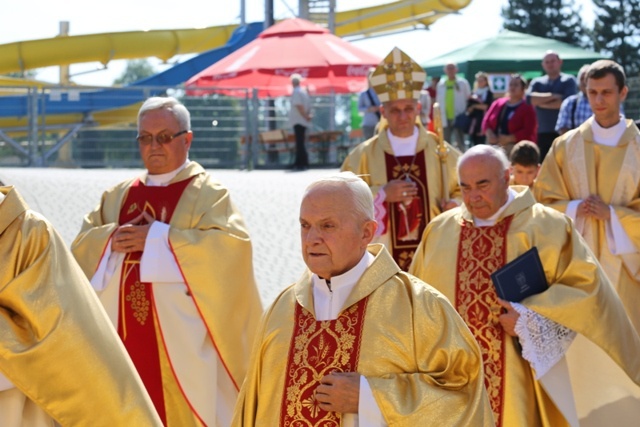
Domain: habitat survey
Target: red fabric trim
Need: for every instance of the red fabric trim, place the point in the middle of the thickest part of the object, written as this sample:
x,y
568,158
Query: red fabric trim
x,y
318,348
173,371
481,251
136,311
407,223
195,302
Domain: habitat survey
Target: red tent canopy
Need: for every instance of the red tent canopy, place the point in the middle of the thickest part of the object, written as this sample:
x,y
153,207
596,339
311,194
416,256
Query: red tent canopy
x,y
326,62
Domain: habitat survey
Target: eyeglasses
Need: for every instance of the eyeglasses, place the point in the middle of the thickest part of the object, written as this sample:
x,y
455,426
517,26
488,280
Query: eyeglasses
x,y
161,138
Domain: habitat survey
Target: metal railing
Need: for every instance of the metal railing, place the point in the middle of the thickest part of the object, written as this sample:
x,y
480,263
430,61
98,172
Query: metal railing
x,y
57,127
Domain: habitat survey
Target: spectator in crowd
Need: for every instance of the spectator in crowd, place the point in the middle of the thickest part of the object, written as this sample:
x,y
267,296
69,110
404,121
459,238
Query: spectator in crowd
x,y
460,249
575,110
300,119
510,119
479,102
525,163
357,341
452,94
592,175
171,260
60,359
431,90
546,94
369,106
401,163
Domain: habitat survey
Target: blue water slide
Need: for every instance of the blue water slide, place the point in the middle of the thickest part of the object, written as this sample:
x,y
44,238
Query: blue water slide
x,y
86,101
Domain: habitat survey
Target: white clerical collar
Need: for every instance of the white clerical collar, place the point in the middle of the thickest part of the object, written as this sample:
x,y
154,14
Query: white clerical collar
x,y
488,222
329,301
404,146
609,136
161,180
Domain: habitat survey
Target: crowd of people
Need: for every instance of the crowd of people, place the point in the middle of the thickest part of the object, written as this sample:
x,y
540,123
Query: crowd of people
x,y
153,316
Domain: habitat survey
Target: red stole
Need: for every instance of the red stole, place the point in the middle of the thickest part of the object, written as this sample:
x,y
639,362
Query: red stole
x,y
318,348
407,222
482,250
136,314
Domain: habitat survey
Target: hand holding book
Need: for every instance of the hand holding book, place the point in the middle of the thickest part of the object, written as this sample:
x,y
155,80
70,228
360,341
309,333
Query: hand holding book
x,y
520,278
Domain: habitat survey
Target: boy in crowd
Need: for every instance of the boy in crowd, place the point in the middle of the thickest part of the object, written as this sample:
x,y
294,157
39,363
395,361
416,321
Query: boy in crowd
x,y
525,163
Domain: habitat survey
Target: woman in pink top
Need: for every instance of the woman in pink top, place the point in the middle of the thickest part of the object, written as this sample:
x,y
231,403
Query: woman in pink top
x,y
510,119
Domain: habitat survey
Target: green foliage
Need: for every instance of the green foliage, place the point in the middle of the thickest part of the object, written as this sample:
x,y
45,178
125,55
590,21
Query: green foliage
x,y
555,19
137,69
616,32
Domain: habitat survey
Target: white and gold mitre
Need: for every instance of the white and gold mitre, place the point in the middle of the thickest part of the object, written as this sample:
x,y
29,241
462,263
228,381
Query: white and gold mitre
x,y
398,77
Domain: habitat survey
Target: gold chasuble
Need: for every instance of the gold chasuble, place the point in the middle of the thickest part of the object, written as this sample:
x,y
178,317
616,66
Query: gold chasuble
x,y
575,168
579,297
421,362
137,318
202,356
57,345
376,164
319,348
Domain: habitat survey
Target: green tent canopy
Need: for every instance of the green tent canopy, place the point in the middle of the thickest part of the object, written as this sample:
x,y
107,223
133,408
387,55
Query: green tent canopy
x,y
511,52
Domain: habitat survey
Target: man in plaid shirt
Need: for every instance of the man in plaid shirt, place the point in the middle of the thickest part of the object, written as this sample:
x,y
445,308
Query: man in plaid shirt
x,y
575,110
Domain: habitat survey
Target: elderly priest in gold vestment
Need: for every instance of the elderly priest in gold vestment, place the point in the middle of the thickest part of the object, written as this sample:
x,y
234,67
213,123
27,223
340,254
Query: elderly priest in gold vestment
x,y
60,359
412,175
170,257
357,341
527,386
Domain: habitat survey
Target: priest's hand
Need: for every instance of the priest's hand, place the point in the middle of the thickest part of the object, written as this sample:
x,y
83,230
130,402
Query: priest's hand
x,y
582,209
597,208
131,237
508,318
339,392
399,190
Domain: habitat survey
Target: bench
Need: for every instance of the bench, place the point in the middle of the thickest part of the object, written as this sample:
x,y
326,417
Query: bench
x,y
275,142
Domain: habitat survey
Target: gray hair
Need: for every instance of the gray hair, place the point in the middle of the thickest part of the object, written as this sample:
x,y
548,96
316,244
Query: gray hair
x,y
295,79
583,71
170,104
482,150
362,197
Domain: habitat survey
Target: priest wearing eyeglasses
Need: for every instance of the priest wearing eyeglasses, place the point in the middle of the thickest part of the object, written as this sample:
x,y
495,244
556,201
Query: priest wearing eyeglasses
x,y
170,258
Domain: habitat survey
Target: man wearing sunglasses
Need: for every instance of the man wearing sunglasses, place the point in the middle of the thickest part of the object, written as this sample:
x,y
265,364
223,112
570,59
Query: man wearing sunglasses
x,y
170,257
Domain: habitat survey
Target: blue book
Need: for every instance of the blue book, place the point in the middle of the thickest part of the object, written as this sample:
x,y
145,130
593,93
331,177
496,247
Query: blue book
x,y
520,278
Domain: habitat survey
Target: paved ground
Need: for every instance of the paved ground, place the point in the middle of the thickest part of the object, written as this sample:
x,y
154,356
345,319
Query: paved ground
x,y
268,200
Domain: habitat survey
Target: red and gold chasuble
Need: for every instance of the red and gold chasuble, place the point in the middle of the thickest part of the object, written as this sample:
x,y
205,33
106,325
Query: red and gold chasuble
x,y
317,349
482,251
407,222
137,319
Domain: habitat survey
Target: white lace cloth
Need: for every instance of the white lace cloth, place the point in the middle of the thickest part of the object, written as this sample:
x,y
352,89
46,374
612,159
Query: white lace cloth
x,y
543,341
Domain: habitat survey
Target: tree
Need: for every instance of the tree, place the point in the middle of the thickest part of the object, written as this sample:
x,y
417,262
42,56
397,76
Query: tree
x,y
136,70
616,32
554,19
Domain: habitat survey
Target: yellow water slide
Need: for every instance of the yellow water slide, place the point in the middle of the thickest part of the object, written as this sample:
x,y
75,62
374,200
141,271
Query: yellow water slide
x,y
165,44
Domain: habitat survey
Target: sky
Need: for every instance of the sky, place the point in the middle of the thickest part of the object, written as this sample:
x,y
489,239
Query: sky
x,y
40,19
